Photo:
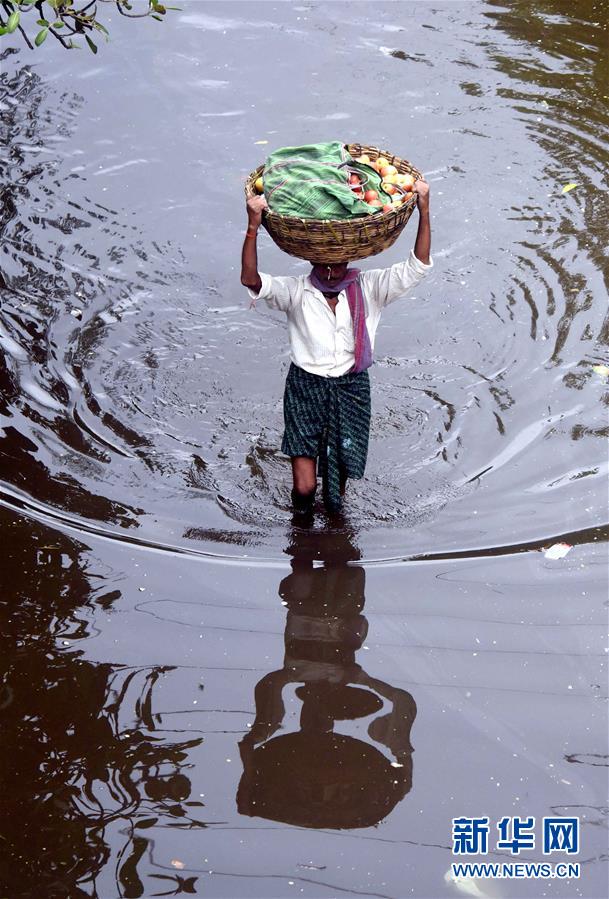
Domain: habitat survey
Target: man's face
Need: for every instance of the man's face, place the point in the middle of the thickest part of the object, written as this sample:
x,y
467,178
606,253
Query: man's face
x,y
333,273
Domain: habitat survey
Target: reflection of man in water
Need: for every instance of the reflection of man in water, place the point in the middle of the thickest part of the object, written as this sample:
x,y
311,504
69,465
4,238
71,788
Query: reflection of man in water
x,y
333,314
318,776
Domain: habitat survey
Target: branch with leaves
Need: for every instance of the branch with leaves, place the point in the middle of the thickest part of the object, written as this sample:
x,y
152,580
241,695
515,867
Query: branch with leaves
x,y
62,19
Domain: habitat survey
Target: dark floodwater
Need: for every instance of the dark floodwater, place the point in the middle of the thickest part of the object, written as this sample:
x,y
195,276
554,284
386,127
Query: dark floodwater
x,y
198,698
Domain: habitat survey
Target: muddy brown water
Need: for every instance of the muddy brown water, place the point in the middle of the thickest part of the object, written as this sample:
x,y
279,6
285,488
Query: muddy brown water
x,y
198,697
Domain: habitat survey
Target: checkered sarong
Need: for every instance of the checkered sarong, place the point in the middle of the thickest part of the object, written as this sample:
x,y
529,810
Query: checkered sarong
x,y
328,419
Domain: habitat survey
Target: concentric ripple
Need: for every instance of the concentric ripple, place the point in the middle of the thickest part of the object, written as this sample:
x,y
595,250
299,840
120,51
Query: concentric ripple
x,y
139,391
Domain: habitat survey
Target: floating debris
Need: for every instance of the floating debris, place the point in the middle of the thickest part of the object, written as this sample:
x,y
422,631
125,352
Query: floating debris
x,y
569,187
176,863
602,370
558,551
396,54
466,885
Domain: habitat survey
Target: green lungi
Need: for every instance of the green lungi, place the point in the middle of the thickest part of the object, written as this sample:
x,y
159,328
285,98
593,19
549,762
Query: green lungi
x,y
329,419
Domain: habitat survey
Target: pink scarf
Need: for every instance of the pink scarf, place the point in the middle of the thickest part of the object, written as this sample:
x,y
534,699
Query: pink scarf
x,y
357,307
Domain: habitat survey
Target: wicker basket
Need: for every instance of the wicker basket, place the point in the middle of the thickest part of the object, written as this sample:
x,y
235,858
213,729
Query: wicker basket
x,y
339,240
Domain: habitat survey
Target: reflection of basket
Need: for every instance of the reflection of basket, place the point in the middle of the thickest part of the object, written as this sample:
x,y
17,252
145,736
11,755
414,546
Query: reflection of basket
x,y
339,240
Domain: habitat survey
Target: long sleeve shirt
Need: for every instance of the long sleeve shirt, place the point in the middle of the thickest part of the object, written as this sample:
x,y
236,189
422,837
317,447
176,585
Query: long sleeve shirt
x,y
322,341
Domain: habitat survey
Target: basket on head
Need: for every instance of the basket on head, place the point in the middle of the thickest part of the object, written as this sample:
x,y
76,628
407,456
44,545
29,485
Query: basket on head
x,y
339,240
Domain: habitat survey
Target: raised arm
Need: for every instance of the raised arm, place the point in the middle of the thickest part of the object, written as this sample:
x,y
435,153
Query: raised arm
x,y
384,285
277,292
250,276
422,244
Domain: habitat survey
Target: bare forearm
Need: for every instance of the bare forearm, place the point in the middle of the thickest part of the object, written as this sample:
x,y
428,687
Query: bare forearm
x,y
249,254
422,246
250,276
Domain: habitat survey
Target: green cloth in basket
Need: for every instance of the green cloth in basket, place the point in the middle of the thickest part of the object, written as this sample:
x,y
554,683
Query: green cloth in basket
x,y
312,182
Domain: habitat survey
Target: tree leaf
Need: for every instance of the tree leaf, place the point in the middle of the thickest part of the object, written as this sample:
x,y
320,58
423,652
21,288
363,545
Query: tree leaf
x,y
568,187
100,27
42,22
13,21
41,36
90,43
158,18
2,30
146,822
57,24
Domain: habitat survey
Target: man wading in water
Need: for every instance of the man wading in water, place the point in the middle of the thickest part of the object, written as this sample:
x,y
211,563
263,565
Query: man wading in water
x,y
333,314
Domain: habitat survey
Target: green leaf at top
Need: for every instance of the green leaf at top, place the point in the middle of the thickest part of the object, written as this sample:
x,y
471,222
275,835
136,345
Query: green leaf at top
x,y
41,36
13,21
100,27
90,43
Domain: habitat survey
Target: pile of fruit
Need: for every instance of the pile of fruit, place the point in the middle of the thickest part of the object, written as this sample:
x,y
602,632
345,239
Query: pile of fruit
x,y
397,187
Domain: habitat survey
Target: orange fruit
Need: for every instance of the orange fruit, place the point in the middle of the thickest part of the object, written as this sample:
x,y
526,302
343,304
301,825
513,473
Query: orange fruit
x,y
406,181
388,170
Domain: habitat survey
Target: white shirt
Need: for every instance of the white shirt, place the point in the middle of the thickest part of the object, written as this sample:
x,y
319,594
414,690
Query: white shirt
x,y
322,341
